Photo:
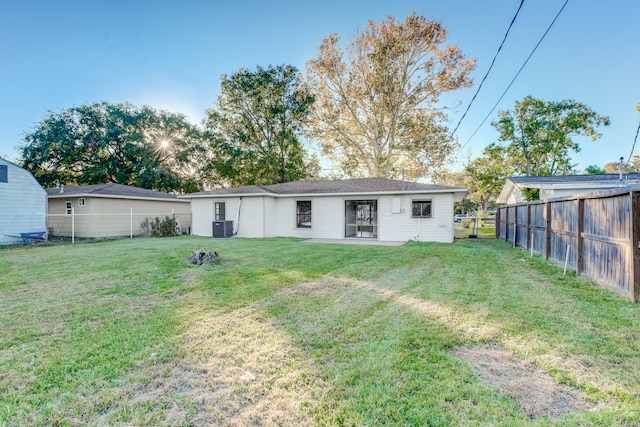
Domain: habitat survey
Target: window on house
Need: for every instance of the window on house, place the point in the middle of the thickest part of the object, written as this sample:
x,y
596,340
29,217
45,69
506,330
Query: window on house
x,y
219,208
81,201
303,214
68,208
421,208
4,173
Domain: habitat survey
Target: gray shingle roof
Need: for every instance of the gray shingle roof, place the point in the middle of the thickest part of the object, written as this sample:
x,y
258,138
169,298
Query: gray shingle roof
x,y
573,178
361,185
107,190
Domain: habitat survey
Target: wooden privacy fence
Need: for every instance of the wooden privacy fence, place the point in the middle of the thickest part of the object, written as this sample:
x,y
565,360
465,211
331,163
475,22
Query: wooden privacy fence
x,y
596,234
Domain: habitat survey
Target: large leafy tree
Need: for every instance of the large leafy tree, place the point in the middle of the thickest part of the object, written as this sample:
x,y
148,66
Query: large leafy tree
x,y
114,143
614,167
539,134
256,129
486,175
377,98
461,180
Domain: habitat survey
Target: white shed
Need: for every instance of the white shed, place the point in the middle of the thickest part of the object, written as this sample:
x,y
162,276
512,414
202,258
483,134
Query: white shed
x,y
368,208
24,203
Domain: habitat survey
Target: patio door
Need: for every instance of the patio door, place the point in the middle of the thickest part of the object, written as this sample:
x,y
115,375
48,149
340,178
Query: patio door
x,y
361,219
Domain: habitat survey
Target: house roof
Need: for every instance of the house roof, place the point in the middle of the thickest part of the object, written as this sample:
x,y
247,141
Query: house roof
x,y
570,179
345,186
570,182
107,190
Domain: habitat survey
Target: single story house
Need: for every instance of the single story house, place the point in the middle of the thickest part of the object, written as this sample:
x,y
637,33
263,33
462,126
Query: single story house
x,y
111,210
368,208
561,186
24,203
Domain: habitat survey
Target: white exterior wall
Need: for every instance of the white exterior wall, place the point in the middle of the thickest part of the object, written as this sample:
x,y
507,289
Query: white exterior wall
x,y
272,219
327,215
250,224
23,204
265,216
252,215
202,217
402,226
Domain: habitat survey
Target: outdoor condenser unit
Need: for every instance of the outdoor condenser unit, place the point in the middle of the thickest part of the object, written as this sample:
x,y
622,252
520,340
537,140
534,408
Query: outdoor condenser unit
x,y
222,229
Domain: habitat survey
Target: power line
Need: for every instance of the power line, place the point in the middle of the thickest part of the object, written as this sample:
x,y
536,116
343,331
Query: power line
x,y
516,76
490,67
634,143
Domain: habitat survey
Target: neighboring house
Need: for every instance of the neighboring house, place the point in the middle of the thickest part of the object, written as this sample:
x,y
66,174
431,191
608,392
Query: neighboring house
x,y
111,210
369,208
24,203
561,186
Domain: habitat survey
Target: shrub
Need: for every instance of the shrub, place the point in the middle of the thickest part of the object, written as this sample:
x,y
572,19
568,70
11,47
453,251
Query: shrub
x,y
167,227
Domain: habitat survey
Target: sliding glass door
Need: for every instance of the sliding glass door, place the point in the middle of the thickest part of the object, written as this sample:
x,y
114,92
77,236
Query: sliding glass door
x,y
361,218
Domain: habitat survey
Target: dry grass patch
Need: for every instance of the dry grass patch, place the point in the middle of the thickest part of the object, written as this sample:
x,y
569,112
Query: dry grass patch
x,y
538,393
462,321
249,372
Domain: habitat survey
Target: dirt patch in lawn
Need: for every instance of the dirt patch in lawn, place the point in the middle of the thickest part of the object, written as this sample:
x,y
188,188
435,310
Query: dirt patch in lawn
x,y
538,393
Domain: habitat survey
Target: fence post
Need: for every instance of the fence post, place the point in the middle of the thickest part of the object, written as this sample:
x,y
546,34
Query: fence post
x,y
73,224
131,223
528,231
547,249
634,291
580,241
506,226
498,223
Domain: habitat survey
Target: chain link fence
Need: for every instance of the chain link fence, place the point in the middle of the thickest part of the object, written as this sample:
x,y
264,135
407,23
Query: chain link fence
x,y
110,225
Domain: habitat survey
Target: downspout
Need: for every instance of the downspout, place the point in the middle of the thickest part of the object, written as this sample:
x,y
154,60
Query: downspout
x,y
238,217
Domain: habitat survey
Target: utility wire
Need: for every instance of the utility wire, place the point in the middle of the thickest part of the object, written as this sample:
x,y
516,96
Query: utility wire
x,y
633,147
516,76
490,67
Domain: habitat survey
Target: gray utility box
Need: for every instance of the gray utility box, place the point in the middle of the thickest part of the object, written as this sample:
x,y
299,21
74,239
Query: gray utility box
x,y
222,229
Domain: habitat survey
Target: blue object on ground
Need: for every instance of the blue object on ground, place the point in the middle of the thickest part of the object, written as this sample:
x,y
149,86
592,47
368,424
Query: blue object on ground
x,y
33,236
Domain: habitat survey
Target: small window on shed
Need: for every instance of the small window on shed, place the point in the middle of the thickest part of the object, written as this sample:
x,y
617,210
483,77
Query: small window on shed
x,y
4,173
421,208
68,208
80,201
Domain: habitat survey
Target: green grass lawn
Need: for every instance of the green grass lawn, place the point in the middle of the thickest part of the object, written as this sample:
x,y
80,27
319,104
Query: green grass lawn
x,y
282,332
462,232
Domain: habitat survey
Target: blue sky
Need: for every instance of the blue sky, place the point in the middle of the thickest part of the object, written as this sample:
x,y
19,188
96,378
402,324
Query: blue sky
x,y
171,54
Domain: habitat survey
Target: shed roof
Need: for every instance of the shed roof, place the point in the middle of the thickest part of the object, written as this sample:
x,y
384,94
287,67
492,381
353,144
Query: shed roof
x,y
107,190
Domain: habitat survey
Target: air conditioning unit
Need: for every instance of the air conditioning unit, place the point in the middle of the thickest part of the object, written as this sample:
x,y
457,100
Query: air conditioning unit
x,y
222,229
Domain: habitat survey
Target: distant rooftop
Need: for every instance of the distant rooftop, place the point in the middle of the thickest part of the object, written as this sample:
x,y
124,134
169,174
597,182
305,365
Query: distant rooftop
x,y
574,178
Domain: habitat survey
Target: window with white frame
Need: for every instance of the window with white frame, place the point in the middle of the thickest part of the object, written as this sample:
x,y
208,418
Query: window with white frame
x,y
80,201
68,208
4,173
303,214
421,208
219,211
